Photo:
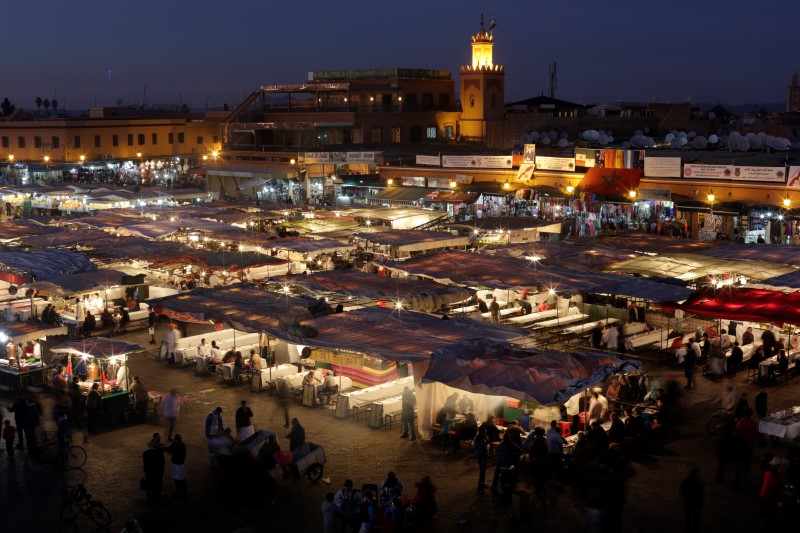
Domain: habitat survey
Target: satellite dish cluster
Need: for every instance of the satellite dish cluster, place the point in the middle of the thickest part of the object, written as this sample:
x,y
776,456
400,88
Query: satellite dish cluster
x,y
547,137
601,137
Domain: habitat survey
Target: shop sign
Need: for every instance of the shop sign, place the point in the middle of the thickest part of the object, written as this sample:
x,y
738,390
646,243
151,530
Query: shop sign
x,y
662,167
525,172
341,157
723,172
566,164
477,161
659,195
463,179
772,174
431,160
370,158
413,181
529,153
794,178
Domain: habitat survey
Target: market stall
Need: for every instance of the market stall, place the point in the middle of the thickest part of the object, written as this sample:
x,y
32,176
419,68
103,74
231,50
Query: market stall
x,y
104,361
16,371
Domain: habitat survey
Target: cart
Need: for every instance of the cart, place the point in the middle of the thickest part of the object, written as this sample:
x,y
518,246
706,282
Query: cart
x,y
310,465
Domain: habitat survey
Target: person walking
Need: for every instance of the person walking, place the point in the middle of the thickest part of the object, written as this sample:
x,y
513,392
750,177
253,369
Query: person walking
x,y
297,439
177,451
9,434
482,456
330,515
170,408
494,310
152,318
244,425
348,500
20,410
692,493
407,414
283,404
214,424
141,398
173,336
153,462
688,368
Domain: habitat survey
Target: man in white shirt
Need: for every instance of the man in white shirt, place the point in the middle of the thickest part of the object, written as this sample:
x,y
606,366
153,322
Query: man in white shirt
x,y
610,338
37,350
203,353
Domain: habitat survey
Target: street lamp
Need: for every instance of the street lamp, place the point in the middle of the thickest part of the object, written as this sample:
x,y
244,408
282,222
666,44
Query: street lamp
x,y
787,202
632,194
82,158
453,184
711,196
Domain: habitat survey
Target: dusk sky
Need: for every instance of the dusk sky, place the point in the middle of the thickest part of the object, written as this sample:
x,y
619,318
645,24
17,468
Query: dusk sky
x,y
217,52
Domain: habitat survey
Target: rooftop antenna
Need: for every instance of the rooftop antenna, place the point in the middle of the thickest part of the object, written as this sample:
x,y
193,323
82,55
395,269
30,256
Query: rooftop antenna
x,y
552,79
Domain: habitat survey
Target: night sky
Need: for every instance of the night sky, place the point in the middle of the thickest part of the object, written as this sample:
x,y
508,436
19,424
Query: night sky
x,y
204,52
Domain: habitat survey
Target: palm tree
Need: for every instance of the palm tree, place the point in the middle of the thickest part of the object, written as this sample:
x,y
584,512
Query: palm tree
x,y
39,103
46,104
54,104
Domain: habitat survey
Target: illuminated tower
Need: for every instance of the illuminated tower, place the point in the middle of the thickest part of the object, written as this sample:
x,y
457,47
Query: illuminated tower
x,y
482,92
793,95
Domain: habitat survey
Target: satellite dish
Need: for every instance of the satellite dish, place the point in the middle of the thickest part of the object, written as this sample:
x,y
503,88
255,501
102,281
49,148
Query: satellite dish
x,y
733,143
638,132
564,135
563,143
650,142
744,145
603,139
12,290
756,143
749,135
692,134
675,143
534,136
682,135
546,140
713,139
669,137
610,139
553,134
626,145
699,142
683,140
593,135
525,139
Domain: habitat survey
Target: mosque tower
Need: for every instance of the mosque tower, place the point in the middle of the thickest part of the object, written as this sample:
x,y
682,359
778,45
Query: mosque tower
x,y
482,92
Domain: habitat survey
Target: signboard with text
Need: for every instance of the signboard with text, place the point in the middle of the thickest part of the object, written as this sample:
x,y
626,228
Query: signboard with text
x,y
432,160
477,161
772,174
555,163
662,167
722,172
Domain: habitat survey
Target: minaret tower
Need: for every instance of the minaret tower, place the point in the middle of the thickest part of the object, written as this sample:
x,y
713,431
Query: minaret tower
x,y
482,91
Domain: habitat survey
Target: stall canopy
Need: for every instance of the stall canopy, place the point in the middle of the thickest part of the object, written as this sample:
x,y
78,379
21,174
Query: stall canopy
x,y
241,306
97,347
787,283
693,266
307,245
742,304
396,335
616,181
45,264
546,378
63,238
27,331
422,295
83,282
514,273
786,255
14,229
414,240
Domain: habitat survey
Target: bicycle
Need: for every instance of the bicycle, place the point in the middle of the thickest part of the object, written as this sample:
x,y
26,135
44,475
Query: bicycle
x,y
717,421
48,453
79,502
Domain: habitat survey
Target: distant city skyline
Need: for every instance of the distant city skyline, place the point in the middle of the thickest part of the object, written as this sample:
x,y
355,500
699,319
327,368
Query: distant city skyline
x,y
204,53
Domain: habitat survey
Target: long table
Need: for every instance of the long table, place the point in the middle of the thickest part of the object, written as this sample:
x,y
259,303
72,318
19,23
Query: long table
x,y
348,401
783,424
264,376
560,321
580,329
503,312
533,317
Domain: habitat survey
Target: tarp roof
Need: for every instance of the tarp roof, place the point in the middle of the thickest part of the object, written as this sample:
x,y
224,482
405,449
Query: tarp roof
x,y
80,282
27,331
645,243
242,307
308,245
14,229
64,238
546,378
786,255
422,295
511,273
396,335
97,347
744,304
415,239
692,266
47,264
382,213
404,194
788,282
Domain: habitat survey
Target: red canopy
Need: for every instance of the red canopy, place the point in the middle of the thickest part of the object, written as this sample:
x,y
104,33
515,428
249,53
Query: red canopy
x,y
617,181
757,305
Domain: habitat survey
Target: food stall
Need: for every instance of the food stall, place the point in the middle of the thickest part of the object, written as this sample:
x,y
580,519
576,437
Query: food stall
x,y
104,361
15,372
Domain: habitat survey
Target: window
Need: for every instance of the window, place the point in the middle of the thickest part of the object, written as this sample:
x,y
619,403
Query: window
x,y
199,140
427,100
180,138
130,139
37,142
170,138
5,141
21,142
56,142
448,132
396,135
444,100
376,135
215,139
140,139
154,138
97,142
76,142
430,133
415,134
115,140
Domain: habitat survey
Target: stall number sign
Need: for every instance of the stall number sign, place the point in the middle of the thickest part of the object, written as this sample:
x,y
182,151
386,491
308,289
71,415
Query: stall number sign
x,y
344,359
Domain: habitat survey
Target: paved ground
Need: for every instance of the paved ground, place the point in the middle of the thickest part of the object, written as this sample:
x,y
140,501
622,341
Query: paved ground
x,y
31,501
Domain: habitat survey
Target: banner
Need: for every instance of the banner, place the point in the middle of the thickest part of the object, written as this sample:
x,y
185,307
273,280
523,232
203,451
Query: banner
x,y
662,167
772,174
526,172
413,181
723,172
655,194
431,160
477,161
310,158
555,163
794,178
529,153
363,157
585,157
464,179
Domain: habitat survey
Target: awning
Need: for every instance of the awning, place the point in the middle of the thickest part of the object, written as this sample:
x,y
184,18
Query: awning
x,y
404,194
610,180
